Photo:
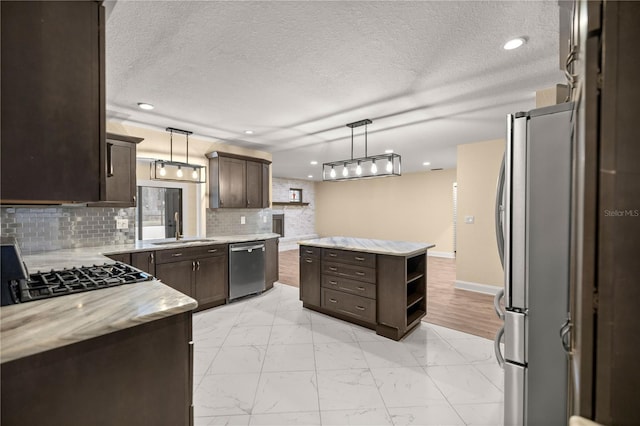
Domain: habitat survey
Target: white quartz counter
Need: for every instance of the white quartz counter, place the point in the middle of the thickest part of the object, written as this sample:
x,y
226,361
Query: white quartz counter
x,y
34,327
393,248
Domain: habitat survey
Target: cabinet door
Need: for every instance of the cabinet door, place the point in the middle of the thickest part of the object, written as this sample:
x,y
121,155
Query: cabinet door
x,y
310,280
121,172
266,187
145,261
271,264
53,102
211,279
120,257
177,275
254,184
232,175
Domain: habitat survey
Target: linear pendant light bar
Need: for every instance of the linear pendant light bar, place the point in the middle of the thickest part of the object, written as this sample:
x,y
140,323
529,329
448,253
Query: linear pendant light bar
x,y
383,165
176,170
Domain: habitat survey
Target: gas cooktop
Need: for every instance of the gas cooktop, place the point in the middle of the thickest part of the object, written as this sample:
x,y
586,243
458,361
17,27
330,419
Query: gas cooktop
x,y
43,285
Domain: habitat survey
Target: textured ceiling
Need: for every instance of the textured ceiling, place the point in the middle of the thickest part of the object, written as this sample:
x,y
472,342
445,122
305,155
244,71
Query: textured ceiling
x,y
431,75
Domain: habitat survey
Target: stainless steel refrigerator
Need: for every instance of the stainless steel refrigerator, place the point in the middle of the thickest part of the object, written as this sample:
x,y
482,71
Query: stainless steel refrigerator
x,y
533,214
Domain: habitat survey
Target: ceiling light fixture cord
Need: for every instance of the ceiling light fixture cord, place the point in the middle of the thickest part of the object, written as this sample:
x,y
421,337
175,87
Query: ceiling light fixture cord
x,y
187,147
171,149
365,140
352,143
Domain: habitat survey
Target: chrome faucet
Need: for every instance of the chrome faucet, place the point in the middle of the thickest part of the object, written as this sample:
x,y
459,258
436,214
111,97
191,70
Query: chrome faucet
x,y
176,216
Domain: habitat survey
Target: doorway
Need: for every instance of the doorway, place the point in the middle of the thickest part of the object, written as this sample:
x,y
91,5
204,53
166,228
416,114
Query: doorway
x,y
156,212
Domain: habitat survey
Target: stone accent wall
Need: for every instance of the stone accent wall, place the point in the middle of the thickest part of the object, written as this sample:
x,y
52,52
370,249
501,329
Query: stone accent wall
x,y
227,221
299,221
39,229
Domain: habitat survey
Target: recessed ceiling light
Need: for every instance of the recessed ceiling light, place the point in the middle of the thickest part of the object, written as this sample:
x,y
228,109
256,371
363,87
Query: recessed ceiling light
x,y
426,163
388,151
314,162
514,43
248,132
310,176
146,106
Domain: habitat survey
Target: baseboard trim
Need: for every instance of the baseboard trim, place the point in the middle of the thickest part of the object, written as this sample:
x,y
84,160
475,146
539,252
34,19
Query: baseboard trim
x,y
446,254
477,287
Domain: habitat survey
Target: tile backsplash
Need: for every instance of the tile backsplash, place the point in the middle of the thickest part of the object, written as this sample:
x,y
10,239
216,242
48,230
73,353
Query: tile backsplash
x,y
40,229
228,221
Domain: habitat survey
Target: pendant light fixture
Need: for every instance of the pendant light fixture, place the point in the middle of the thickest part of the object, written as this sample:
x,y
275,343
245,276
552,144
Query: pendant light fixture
x,y
176,170
363,167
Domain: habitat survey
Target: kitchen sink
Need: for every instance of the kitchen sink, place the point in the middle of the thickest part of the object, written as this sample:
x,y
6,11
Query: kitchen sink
x,y
162,243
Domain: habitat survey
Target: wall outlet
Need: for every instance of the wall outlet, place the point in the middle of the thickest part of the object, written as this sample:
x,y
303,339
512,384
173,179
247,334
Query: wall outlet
x,y
469,219
122,223
264,219
243,220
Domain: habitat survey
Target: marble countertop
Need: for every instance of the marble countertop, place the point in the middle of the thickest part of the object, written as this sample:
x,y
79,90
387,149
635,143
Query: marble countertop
x,y
34,327
393,248
86,256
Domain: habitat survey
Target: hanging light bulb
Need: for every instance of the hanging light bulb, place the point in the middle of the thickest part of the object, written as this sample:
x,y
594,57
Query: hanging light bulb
x,y
359,169
345,171
163,171
194,173
389,165
374,168
332,173
179,172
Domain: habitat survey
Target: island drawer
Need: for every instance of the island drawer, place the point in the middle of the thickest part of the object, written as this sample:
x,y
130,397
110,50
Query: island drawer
x,y
348,304
352,257
349,286
349,271
176,255
309,251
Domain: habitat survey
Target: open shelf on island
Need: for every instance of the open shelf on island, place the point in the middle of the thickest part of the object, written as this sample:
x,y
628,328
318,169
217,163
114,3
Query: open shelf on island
x,y
414,317
414,298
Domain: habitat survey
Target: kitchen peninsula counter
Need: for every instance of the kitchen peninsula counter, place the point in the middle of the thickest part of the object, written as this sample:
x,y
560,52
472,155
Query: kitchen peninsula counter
x,y
377,284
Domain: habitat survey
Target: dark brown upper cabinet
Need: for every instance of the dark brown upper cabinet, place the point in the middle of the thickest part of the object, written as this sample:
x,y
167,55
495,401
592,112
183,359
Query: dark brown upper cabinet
x,y
120,176
237,181
53,102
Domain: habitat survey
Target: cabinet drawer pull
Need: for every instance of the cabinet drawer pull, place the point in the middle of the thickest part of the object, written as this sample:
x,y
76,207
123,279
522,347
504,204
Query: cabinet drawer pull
x,y
333,282
308,260
309,251
360,273
151,258
176,254
333,268
360,288
333,301
197,265
360,259
212,251
333,255
360,308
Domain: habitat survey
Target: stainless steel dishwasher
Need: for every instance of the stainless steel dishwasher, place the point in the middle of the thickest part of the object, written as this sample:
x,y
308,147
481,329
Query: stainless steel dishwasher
x,y
246,269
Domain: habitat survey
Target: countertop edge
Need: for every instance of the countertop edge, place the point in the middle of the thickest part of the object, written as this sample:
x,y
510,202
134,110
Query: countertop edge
x,y
424,247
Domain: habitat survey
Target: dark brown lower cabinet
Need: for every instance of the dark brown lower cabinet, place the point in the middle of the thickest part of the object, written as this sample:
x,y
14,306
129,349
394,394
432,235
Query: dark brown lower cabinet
x,y
309,277
177,275
211,277
271,264
383,292
145,261
142,375
121,257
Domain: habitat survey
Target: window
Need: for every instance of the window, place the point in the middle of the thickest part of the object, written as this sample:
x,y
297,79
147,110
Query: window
x,y
156,212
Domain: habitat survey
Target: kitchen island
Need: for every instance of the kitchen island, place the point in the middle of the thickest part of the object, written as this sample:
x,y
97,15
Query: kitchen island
x,y
377,284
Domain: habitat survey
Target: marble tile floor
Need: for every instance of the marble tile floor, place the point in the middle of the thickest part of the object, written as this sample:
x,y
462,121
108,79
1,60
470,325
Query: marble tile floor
x,y
266,360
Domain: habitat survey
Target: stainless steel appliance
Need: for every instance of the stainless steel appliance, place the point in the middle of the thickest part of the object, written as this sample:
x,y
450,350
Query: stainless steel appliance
x,y
246,269
533,212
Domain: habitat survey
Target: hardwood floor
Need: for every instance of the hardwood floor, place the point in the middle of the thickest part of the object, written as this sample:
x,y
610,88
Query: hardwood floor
x,y
447,306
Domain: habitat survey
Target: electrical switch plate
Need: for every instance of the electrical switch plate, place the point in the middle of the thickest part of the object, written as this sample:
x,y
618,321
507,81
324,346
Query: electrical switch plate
x,y
469,219
242,220
264,219
122,223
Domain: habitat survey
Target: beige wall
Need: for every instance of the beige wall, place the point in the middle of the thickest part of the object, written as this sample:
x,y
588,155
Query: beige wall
x,y
411,207
156,145
477,259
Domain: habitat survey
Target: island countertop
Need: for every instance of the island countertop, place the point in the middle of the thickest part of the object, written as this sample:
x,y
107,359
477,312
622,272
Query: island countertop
x,y
393,248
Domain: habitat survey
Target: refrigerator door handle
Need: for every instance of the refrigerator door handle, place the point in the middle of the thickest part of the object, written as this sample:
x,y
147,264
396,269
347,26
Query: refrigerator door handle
x,y
499,213
565,336
496,347
496,304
